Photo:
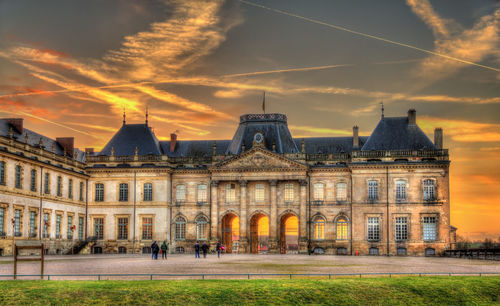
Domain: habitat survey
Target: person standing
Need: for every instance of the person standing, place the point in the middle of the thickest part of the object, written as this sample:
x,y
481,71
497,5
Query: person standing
x,y
154,250
164,250
204,248
197,250
218,249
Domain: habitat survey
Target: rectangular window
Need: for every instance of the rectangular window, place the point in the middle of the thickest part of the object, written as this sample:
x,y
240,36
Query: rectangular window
x,y
401,228
147,228
19,179
46,189
372,190
58,226
81,191
342,229
259,192
33,180
46,225
99,192
80,228
429,228
201,229
230,193
148,192
429,191
341,192
69,234
70,189
180,193
202,193
319,192
2,221
2,173
400,190
373,228
32,224
59,186
99,228
319,229
17,223
122,228
123,192
289,192
180,229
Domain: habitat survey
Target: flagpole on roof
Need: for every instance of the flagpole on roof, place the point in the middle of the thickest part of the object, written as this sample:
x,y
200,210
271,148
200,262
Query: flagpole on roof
x,y
264,102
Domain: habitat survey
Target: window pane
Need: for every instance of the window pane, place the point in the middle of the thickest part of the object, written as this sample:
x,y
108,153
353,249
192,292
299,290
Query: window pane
x,y
429,228
429,191
180,229
46,225
123,196
401,228
147,228
19,177
70,224
319,229
341,192
81,191
17,223
341,229
259,192
180,193
2,174
59,186
289,192
99,228
400,190
32,224
47,183
230,193
80,228
319,191
122,228
148,192
201,228
373,190
33,180
99,192
58,226
373,228
70,189
202,193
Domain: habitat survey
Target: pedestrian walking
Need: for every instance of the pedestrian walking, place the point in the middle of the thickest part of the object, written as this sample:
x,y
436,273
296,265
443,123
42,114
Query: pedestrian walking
x,y
218,249
154,250
197,250
204,248
164,250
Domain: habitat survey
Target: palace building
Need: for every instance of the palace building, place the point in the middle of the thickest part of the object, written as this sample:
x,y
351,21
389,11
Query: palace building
x,y
263,191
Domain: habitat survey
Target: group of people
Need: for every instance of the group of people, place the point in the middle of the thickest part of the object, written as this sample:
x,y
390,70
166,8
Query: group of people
x,y
155,249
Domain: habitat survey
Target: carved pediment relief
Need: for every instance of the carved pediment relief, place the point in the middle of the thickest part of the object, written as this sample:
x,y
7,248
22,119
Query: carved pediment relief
x,y
258,158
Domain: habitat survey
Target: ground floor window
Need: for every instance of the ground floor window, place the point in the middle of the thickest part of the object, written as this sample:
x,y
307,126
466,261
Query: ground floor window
x,y
180,228
122,250
430,252
146,250
342,228
318,251
80,228
97,250
341,251
122,228
202,228
373,251
319,228
401,251
179,250
147,228
99,228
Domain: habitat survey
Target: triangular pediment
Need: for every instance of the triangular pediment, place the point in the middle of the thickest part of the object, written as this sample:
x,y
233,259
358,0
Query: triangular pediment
x,y
257,159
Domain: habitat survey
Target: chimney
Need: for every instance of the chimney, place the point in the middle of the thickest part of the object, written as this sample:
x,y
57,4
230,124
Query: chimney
x,y
355,137
412,117
68,144
17,123
438,138
173,142
89,151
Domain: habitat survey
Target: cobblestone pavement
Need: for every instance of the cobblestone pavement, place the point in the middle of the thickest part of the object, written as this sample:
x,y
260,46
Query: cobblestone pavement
x,y
228,263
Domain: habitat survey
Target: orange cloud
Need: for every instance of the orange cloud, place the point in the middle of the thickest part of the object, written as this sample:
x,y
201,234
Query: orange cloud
x,y
462,130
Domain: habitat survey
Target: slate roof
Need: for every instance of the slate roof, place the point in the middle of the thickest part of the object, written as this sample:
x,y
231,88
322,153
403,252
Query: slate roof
x,y
131,136
328,145
394,133
197,148
34,140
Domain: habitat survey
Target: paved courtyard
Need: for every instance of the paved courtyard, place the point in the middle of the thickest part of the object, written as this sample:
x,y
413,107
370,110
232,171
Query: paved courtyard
x,y
186,264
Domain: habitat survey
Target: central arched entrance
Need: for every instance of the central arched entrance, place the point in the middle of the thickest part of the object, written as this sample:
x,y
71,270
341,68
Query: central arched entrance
x,y
230,232
289,234
259,233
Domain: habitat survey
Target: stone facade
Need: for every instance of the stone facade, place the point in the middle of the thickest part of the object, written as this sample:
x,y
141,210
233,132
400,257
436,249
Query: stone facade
x,y
257,194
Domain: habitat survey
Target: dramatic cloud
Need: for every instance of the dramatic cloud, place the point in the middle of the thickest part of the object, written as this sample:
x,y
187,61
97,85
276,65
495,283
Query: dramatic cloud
x,y
461,130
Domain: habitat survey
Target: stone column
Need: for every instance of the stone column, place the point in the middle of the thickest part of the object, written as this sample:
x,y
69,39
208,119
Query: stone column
x,y
243,242
303,216
214,211
273,219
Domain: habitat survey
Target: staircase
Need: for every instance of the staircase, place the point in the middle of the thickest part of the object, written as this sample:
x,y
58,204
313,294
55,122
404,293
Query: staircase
x,y
80,245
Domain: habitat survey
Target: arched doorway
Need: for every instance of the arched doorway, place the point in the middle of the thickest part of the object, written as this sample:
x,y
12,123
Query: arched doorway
x,y
289,234
259,233
230,232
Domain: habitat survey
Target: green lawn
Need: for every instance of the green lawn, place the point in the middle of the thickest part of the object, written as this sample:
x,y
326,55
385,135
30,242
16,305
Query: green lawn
x,y
381,291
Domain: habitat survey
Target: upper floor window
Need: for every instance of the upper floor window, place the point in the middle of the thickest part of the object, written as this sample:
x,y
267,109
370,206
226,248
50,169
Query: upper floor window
x,y
259,192
429,190
341,192
372,190
201,228
99,192
289,192
123,192
81,191
19,177
319,228
319,191
2,173
341,228
401,228
429,228
202,193
180,193
33,180
59,186
180,228
148,192
230,193
46,189
400,190
373,228
70,189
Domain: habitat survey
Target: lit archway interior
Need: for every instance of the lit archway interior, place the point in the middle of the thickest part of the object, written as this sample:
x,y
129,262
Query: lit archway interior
x,y
230,232
259,234
289,234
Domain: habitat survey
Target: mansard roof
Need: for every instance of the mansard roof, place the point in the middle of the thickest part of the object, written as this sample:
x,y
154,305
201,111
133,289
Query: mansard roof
x,y
131,136
274,128
328,145
395,133
195,148
34,140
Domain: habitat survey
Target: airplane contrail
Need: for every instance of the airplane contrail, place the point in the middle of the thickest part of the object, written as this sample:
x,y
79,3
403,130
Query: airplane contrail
x,y
285,70
368,35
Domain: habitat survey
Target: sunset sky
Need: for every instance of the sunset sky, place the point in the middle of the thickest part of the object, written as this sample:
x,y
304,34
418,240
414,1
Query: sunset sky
x,y
70,68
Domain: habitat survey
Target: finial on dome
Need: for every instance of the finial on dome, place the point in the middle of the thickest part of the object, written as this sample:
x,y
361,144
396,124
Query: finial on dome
x,y
124,116
382,105
147,115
